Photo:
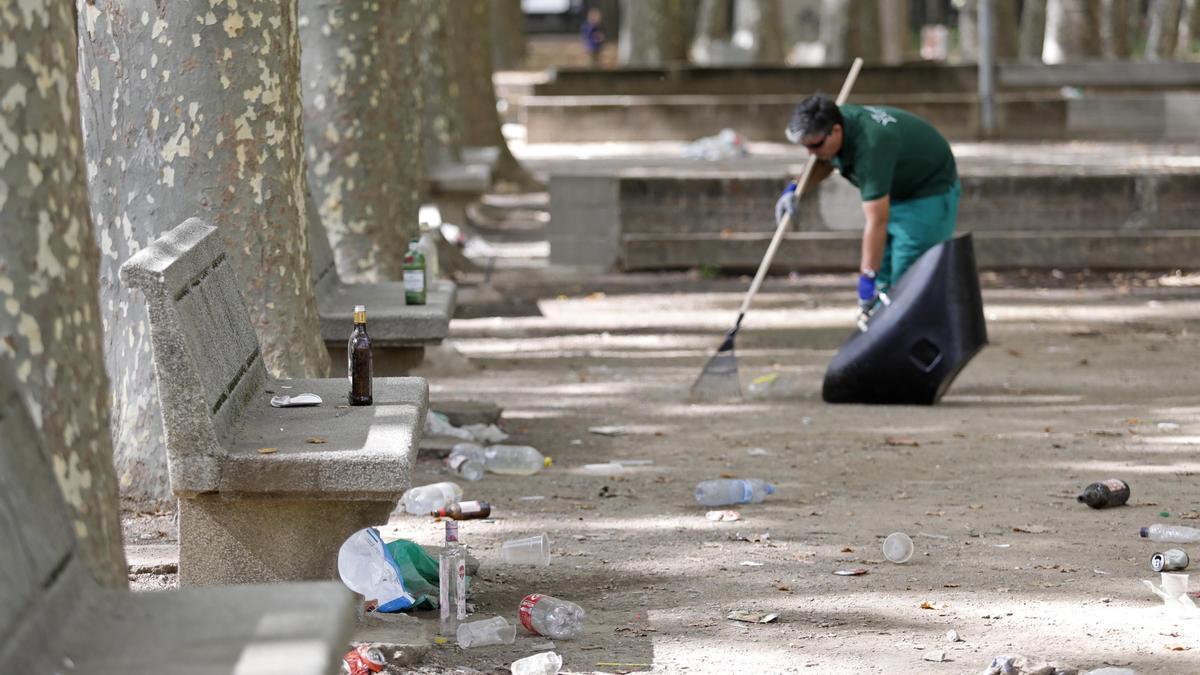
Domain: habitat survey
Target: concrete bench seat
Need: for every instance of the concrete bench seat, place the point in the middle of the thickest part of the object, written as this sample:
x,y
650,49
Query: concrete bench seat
x,y
399,332
453,184
247,515
55,619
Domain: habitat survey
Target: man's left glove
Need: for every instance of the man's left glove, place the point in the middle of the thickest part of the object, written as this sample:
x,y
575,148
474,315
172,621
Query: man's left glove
x,y
786,205
868,294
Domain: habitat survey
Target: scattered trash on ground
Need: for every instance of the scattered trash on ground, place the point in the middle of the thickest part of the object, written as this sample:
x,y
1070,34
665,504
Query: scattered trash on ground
x,y
902,441
1170,560
424,499
898,547
752,563
725,516
546,663
551,617
953,636
748,616
855,572
732,491
398,575
1168,426
1105,494
607,430
1026,665
362,660
494,631
526,551
1171,534
771,386
725,144
936,656
757,452
297,401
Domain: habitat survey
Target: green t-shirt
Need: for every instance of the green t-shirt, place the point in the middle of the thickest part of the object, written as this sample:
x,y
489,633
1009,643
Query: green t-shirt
x,y
887,151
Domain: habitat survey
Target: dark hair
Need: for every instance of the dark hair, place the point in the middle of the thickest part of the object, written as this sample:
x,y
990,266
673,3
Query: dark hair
x,y
814,115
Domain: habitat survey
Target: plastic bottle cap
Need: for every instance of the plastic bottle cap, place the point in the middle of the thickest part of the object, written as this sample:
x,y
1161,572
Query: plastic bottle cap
x,y
770,489
1144,532
548,461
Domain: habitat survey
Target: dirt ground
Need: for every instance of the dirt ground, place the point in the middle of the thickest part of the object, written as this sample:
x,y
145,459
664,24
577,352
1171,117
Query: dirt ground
x,y
1086,377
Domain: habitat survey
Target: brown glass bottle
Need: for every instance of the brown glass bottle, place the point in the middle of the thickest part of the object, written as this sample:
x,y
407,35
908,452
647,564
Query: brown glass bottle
x,y
358,359
464,511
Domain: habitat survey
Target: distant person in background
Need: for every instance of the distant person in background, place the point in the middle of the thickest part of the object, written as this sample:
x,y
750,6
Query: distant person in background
x,y
593,35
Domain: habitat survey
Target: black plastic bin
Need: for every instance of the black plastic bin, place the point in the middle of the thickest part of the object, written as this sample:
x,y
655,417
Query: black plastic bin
x,y
914,348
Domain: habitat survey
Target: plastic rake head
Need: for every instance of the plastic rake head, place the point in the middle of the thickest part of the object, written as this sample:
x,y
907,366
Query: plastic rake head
x,y
719,380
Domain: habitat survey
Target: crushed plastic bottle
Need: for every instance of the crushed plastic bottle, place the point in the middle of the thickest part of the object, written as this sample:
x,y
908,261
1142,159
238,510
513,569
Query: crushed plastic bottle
x,y
427,498
725,144
546,663
466,460
726,491
1171,534
551,617
514,460
494,631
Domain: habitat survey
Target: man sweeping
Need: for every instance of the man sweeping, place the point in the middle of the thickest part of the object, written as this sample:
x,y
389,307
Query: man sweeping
x,y
904,170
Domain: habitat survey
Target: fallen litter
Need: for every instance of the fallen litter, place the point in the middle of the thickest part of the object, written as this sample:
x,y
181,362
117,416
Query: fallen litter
x,y
935,656
903,441
1168,426
297,401
751,563
952,636
607,431
1007,664
1032,529
932,536
723,516
315,440
757,452
747,616
854,572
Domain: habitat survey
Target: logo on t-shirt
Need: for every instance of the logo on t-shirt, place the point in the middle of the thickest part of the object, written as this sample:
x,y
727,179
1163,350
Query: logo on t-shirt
x,y
880,115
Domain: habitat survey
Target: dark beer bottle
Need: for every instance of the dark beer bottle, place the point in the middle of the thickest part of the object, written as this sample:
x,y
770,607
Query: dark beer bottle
x,y
464,511
358,358
1106,493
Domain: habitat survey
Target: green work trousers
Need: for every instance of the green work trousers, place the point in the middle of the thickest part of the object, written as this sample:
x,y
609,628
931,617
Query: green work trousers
x,y
915,226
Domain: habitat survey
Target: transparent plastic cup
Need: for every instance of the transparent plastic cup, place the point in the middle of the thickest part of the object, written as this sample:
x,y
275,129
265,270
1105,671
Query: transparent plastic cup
x,y
526,551
898,547
1174,584
494,631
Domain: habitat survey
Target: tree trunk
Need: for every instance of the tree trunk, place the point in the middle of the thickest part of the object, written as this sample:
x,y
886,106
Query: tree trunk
x,y
653,32
1005,28
714,25
894,44
1163,29
508,35
194,110
850,28
440,121
968,31
477,95
1114,29
50,333
1072,31
1033,31
760,21
360,107
1189,29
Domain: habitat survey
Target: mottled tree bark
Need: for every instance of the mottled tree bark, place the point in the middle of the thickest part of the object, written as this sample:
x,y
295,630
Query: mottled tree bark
x,y
50,331
1072,31
763,22
714,25
192,108
1004,29
477,95
654,32
508,35
1163,29
441,137
893,30
1189,28
1033,30
1114,29
361,117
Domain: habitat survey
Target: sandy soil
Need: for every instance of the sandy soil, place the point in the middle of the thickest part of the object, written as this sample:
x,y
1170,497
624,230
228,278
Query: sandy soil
x,y
1079,375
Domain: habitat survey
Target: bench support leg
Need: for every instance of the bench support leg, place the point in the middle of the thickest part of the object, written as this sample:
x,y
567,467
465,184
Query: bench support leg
x,y
234,541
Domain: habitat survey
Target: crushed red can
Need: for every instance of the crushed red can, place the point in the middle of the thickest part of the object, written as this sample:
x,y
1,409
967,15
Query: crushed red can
x,y
363,660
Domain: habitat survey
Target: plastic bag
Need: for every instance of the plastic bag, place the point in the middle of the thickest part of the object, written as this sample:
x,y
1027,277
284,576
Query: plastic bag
x,y
398,575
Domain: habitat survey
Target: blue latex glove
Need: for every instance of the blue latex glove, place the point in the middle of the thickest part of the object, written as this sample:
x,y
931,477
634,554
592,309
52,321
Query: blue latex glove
x,y
867,292
786,205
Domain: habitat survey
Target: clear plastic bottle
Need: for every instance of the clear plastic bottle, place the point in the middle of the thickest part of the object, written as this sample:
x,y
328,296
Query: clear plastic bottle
x,y
727,491
494,631
514,460
452,581
1172,534
551,617
422,500
427,244
466,460
546,663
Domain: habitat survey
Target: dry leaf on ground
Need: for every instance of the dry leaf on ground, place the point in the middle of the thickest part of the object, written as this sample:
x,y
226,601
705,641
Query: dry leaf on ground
x,y
906,441
315,440
267,451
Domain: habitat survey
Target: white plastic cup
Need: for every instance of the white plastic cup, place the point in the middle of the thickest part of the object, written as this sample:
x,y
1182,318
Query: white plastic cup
x,y
1174,584
526,551
898,547
494,631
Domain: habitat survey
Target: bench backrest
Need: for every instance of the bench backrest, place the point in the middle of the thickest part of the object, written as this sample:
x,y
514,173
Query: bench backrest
x,y
37,542
206,356
324,266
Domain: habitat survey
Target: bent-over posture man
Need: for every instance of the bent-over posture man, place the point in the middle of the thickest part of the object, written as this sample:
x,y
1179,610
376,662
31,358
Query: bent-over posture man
x,y
904,171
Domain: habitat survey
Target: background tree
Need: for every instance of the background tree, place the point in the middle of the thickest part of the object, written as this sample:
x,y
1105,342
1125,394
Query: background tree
x,y
1032,34
1072,31
362,116
1162,30
1189,28
655,32
441,125
714,25
50,332
476,99
192,108
1115,29
508,34
1005,30
850,28
893,30
762,23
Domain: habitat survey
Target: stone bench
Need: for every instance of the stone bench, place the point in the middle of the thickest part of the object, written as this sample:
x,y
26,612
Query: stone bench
x,y
244,514
54,618
454,184
399,332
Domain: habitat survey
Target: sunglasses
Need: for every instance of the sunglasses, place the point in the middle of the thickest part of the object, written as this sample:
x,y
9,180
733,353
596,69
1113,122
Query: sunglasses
x,y
816,144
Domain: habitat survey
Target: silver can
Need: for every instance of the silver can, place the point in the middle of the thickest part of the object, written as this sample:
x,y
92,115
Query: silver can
x,y
1169,560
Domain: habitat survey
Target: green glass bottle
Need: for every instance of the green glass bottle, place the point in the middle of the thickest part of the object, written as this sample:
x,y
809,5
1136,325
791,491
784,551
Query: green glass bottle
x,y
414,275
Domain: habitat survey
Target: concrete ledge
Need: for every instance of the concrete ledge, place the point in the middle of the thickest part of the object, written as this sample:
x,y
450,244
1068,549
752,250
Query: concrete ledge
x,y
390,322
838,252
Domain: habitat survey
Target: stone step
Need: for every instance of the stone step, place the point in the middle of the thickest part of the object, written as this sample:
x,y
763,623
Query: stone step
x,y
839,251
